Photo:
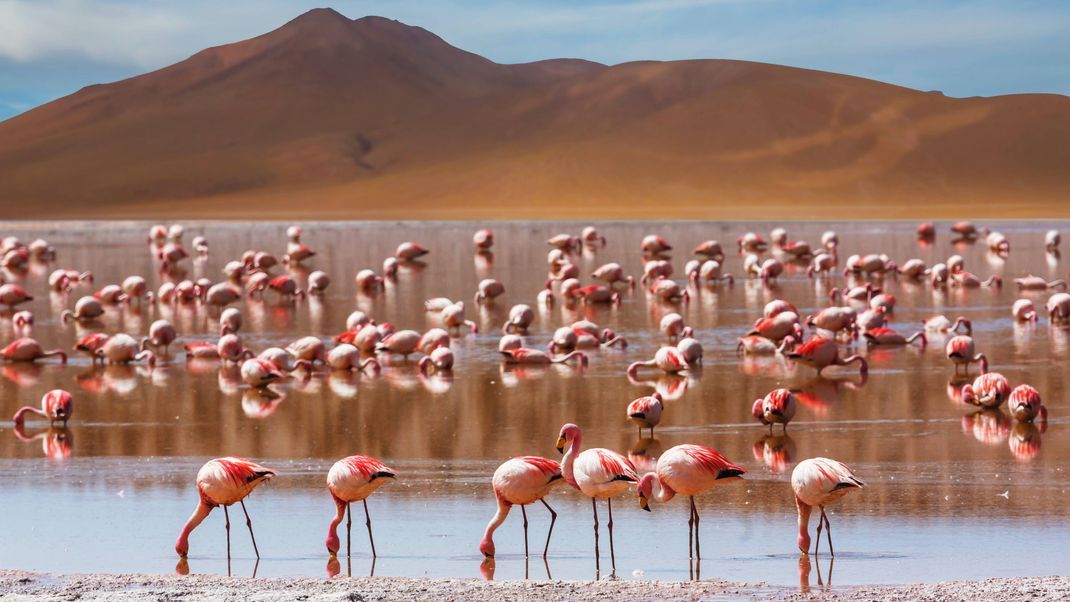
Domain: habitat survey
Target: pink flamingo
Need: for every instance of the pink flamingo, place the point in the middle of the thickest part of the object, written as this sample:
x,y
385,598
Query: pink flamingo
x,y
57,406
13,294
26,349
161,334
960,350
534,356
669,360
611,274
353,479
223,482
90,343
941,324
819,482
777,407
518,482
646,412
821,352
1025,404
687,470
488,290
887,336
483,239
409,251
599,473
989,390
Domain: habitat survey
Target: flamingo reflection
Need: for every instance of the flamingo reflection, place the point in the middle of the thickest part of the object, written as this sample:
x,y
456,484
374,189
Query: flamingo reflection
x,y
56,442
775,451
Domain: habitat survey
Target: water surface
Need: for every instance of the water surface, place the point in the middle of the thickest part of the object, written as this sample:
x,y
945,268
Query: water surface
x,y
951,494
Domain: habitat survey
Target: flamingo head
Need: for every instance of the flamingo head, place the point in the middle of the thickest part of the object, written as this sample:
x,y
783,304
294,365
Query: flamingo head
x,y
486,547
645,489
568,435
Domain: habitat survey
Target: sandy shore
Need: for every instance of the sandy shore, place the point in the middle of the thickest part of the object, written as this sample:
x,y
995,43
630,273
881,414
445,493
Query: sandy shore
x,y
18,585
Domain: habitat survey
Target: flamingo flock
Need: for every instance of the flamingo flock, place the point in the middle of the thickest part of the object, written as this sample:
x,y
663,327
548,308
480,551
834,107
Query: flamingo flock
x,y
823,339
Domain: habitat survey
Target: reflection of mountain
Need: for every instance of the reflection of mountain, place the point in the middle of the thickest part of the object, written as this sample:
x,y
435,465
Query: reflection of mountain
x,y
379,119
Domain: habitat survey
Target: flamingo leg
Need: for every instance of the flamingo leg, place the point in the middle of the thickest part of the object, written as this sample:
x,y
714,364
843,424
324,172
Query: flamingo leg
x,y
690,531
612,555
226,525
698,549
828,532
349,530
817,544
597,557
368,523
524,513
553,519
249,523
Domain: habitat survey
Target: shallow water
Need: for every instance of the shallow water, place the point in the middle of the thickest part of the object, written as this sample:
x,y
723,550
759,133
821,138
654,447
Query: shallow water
x,y
111,492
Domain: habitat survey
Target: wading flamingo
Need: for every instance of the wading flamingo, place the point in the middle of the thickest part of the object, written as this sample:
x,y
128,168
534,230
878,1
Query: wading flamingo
x,y
353,479
599,473
223,482
57,406
960,350
821,352
777,407
646,412
687,470
518,482
819,482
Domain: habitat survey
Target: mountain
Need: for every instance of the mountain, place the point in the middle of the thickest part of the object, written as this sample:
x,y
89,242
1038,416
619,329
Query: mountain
x,y
370,118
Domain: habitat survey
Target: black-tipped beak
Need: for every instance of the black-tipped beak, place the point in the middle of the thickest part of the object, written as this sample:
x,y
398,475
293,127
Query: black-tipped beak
x,y
561,445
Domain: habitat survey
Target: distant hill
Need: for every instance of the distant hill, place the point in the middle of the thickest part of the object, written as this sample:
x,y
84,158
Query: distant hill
x,y
370,118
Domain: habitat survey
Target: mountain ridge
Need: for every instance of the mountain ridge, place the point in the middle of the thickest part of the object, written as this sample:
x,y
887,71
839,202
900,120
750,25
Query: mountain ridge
x,y
380,119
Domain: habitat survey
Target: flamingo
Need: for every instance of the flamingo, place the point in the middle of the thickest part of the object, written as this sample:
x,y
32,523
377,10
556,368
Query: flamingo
x,y
1058,307
1036,283
564,242
161,334
672,326
440,359
691,349
368,281
410,251
22,321
598,473
887,336
821,352
57,406
590,236
1025,404
402,342
353,479
26,349
710,249
960,350
311,349
520,318
488,290
453,317
926,230
667,359
689,470
941,324
222,482
611,274
13,294
819,482
230,321
518,482
124,349
534,356
318,282
483,240
1023,310
1052,240
777,407
653,244
989,390
646,412
759,345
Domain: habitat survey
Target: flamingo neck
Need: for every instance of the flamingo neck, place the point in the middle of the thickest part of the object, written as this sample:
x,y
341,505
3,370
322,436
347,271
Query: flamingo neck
x,y
20,416
569,460
202,511
486,545
332,531
661,492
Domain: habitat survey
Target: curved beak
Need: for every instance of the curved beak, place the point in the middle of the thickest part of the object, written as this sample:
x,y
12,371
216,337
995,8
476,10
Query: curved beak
x,y
561,445
643,503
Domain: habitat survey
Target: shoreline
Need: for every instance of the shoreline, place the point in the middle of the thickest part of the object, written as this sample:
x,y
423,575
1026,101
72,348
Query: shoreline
x,y
26,585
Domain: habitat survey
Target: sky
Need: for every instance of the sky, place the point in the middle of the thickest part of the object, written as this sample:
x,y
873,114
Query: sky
x,y
51,48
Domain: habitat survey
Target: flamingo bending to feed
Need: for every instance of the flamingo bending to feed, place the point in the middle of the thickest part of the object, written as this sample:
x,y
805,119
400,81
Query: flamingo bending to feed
x,y
347,357
646,412
1052,240
598,472
483,240
520,318
710,249
989,390
654,245
518,482
1025,404
687,470
489,289
409,251
590,236
1036,283
57,406
777,407
26,349
1058,307
819,482
612,273
941,324
124,349
821,352
887,336
161,334
759,345
402,342
534,356
13,294
960,350
1023,310
667,359
223,482
353,479
440,360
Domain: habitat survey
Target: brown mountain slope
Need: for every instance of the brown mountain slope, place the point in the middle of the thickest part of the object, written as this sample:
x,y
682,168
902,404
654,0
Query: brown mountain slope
x,y
333,117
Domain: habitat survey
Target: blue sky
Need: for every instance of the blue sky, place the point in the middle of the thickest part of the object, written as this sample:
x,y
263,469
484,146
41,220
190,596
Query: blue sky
x,y
50,48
